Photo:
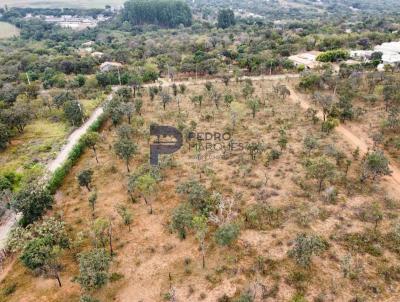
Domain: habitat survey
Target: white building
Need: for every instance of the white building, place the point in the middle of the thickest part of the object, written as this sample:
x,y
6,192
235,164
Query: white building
x,y
108,66
362,55
390,54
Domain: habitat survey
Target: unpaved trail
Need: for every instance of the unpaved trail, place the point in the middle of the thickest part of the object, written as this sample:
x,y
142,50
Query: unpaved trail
x,y
360,140
12,219
72,140
76,135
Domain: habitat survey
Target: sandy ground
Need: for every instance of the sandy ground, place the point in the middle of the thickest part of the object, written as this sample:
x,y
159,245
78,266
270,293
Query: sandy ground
x,y
355,136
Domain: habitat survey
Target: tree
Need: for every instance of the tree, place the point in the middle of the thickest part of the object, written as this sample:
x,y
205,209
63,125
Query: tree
x,y
320,169
254,105
375,165
201,228
182,218
73,112
91,139
60,99
162,13
254,149
226,18
165,99
197,99
305,246
248,89
138,107
310,143
333,55
93,269
32,202
146,185
226,234
126,215
4,136
85,178
283,139
115,110
39,254
125,131
125,149
196,194
18,116
41,246
92,201
325,102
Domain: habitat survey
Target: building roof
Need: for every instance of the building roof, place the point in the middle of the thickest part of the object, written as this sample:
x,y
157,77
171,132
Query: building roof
x,y
107,66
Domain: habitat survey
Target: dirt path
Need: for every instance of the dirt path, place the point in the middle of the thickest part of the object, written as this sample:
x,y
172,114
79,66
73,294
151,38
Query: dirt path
x,y
360,140
72,140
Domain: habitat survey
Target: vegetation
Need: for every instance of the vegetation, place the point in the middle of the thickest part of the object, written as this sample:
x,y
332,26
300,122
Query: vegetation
x,y
276,157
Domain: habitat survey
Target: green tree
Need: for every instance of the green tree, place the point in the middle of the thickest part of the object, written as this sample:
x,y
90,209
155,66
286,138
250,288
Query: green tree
x,y
39,254
321,169
146,186
375,165
305,246
85,178
92,201
226,234
91,139
93,269
4,136
254,105
226,18
283,139
126,215
181,219
201,228
125,149
196,194
73,112
32,202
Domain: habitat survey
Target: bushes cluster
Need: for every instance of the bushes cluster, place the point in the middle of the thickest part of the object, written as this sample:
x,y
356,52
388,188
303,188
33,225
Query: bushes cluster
x,y
59,175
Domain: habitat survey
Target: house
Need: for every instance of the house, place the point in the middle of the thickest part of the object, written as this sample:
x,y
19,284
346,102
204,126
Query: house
x,y
108,66
97,54
307,59
361,55
88,44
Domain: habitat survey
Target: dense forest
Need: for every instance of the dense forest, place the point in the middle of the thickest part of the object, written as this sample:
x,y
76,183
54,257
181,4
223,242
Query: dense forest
x,y
161,12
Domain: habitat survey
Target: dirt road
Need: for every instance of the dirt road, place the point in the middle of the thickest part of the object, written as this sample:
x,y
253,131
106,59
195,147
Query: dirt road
x,y
360,140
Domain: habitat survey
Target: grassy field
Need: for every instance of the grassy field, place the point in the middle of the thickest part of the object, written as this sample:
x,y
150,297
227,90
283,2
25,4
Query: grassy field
x,y
8,30
62,3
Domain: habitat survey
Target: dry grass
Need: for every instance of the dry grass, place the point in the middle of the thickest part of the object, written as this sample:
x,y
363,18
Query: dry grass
x,y
8,30
149,254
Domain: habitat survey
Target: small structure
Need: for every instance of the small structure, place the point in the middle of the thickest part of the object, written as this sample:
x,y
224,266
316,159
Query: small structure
x,y
97,54
108,66
88,44
307,59
390,52
361,55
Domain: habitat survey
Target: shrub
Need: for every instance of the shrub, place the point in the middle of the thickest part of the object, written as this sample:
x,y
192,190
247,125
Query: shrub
x,y
182,217
305,246
32,202
227,234
261,216
333,55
